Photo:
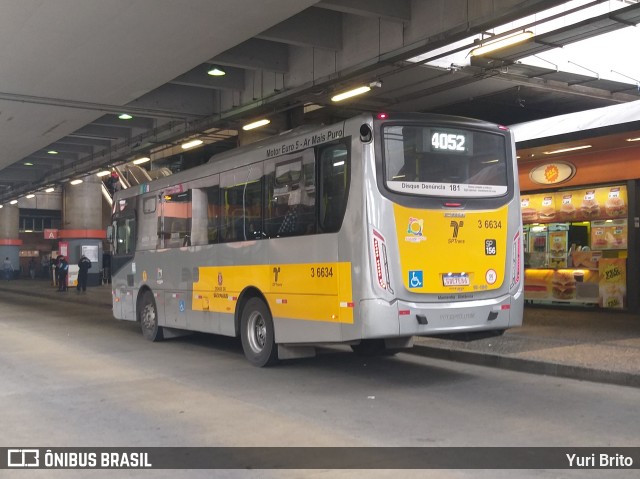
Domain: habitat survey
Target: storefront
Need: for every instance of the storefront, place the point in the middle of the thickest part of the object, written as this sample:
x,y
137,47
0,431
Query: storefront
x,y
580,222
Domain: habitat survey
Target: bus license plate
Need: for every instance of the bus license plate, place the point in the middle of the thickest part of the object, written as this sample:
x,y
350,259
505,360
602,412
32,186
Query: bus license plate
x,y
455,280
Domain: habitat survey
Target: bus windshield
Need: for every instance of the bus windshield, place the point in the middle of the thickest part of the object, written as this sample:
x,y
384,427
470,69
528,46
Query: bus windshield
x,y
444,161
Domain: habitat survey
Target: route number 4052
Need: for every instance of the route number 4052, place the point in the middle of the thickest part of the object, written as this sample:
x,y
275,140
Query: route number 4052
x,y
448,141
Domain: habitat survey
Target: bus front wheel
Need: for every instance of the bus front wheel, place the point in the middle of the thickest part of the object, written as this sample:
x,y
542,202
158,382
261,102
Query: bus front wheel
x,y
148,316
257,333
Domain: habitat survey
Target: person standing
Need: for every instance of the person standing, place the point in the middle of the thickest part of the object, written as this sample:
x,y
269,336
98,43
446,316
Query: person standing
x,y
63,271
83,272
32,268
7,267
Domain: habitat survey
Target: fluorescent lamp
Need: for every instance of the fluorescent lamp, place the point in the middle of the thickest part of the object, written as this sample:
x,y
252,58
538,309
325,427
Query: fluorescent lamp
x,y
351,93
338,163
216,72
501,43
191,144
256,124
52,152
103,173
125,116
75,182
13,202
564,150
28,163
633,139
144,159
49,190
30,196
1,206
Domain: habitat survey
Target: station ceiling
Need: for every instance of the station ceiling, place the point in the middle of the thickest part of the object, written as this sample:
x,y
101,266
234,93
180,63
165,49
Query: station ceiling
x,y
68,68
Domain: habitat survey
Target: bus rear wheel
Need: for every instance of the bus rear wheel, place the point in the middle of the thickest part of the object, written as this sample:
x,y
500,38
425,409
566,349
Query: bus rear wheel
x,y
148,317
257,333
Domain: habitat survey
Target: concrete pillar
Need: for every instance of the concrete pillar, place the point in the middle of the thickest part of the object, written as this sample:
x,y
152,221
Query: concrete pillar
x,y
10,241
83,231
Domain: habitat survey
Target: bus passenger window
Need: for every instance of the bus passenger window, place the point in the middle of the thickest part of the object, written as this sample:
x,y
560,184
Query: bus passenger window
x,y
334,186
242,212
291,197
176,210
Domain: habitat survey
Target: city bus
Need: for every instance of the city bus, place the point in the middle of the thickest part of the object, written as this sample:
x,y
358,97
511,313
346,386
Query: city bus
x,y
365,233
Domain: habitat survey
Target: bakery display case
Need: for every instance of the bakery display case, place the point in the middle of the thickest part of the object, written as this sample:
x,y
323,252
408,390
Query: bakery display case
x,y
576,246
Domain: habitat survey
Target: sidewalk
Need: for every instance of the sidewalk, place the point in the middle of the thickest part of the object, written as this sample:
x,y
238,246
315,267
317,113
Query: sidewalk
x,y
588,345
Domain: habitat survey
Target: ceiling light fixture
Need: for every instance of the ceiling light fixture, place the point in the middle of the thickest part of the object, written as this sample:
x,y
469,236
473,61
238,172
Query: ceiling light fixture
x,y
49,190
563,150
31,195
13,202
52,152
501,43
125,116
256,124
139,161
27,163
351,93
633,139
75,182
191,144
216,72
103,173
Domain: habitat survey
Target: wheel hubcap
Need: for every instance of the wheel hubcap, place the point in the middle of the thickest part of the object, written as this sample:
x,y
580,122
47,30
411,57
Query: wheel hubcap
x,y
257,332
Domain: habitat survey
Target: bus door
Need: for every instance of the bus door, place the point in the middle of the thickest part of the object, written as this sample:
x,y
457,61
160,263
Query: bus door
x,y
122,264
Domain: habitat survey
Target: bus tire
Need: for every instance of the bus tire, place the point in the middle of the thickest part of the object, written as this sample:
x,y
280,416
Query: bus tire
x,y
257,333
148,317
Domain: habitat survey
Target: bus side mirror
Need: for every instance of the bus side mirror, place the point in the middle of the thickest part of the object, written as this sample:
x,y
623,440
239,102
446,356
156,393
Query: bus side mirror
x,y
110,234
365,133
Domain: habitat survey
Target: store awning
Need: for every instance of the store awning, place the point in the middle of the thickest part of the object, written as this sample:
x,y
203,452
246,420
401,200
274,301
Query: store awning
x,y
625,116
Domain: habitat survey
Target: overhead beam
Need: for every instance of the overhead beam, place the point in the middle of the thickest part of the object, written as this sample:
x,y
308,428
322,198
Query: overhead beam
x,y
198,77
256,54
580,90
396,11
109,132
70,140
313,27
198,102
20,174
141,122
62,148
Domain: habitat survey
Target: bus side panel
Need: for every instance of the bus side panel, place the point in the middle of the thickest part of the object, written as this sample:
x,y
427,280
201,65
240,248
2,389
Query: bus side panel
x,y
352,244
122,291
304,296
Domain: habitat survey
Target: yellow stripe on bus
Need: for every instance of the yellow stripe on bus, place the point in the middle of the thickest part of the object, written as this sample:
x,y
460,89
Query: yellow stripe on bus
x,y
311,291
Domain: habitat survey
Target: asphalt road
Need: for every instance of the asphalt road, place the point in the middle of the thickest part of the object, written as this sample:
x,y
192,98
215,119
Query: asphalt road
x,y
70,375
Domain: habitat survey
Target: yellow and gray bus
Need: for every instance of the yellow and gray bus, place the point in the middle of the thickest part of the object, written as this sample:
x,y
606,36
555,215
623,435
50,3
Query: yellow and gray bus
x,y
367,232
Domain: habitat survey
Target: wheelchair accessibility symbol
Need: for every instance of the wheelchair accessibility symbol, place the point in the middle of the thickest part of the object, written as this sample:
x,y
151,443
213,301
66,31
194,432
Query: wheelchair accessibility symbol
x,y
415,279
181,306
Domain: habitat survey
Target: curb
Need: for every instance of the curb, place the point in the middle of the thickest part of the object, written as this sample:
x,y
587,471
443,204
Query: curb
x,y
529,366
